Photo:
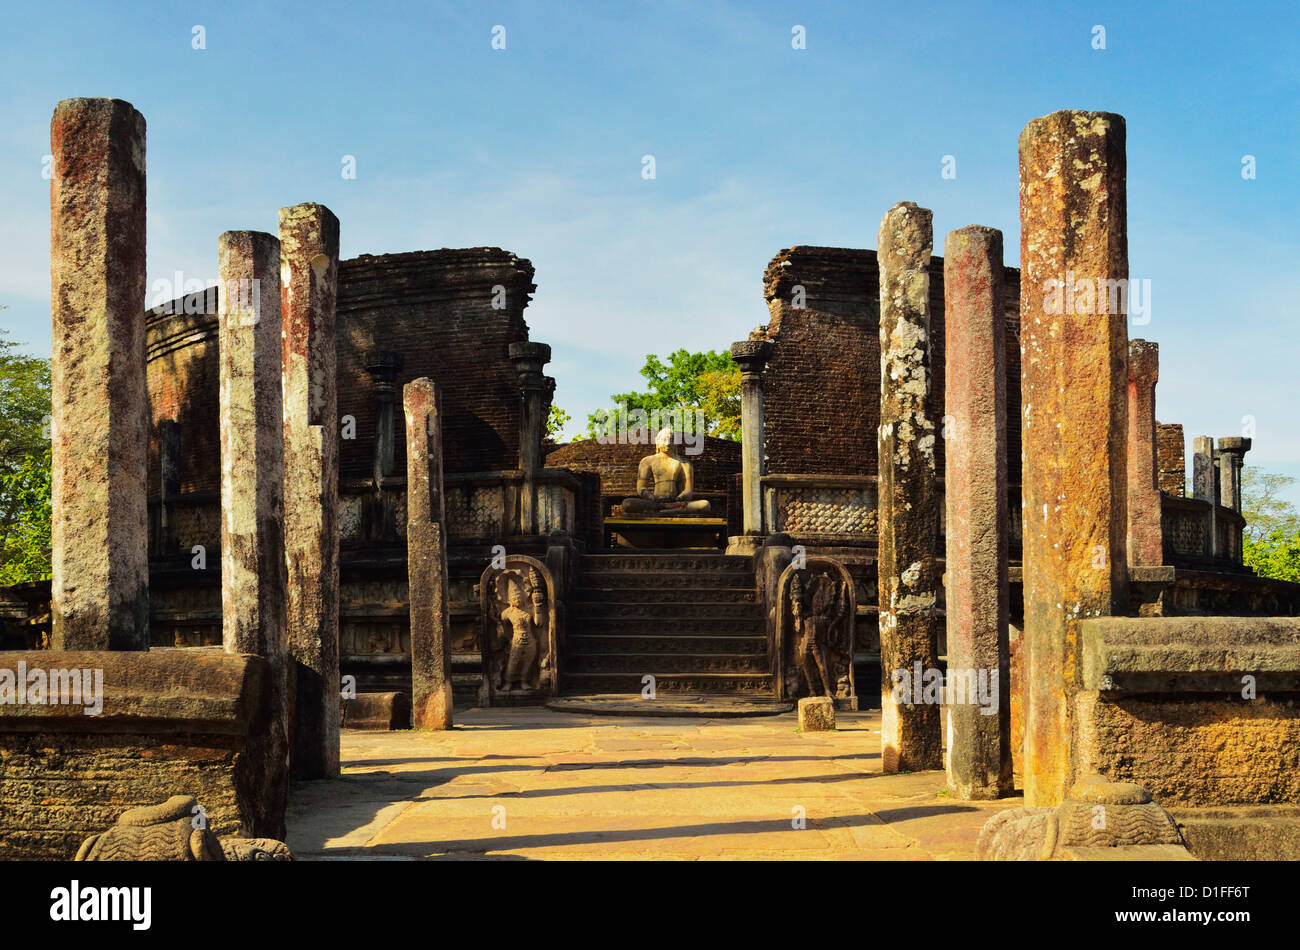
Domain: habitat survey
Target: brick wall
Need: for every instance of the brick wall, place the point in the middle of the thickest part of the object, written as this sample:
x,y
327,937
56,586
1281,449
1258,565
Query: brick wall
x,y
617,464
1171,461
436,309
433,307
822,385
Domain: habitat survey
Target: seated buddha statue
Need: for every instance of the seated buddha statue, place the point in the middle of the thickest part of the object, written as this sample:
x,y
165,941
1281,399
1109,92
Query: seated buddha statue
x,y
665,484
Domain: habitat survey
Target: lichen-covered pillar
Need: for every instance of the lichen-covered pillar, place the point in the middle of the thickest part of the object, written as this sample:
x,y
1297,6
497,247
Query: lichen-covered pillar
x,y
1232,456
1145,545
1074,417
426,558
529,358
977,522
99,524
908,499
251,420
309,258
752,357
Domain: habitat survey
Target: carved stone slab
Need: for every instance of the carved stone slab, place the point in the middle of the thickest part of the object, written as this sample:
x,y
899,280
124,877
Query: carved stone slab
x,y
816,609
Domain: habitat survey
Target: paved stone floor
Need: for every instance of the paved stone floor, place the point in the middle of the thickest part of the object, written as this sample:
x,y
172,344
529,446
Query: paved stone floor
x,y
537,783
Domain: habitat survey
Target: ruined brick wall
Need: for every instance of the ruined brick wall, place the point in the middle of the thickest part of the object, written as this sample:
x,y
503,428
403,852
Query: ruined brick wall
x,y
617,464
433,307
1171,462
436,308
183,382
821,389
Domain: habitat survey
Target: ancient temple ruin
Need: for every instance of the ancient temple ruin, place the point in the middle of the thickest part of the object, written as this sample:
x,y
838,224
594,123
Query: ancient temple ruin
x,y
319,496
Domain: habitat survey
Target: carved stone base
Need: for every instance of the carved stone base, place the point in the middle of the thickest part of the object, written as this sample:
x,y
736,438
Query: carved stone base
x,y
746,545
513,697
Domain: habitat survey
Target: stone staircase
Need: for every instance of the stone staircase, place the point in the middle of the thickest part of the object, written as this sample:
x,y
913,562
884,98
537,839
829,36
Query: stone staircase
x,y
692,620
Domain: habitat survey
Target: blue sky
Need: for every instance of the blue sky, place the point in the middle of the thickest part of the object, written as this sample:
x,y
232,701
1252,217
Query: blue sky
x,y
537,148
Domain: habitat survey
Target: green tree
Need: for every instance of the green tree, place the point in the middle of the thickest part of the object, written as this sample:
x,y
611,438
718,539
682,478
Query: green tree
x,y
707,381
24,465
556,420
1276,556
1262,505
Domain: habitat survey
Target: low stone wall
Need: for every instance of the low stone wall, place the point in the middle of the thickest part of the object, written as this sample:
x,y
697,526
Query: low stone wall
x,y
1201,711
190,722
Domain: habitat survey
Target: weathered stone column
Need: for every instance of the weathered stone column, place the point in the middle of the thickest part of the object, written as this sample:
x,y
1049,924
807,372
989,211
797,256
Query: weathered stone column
x,y
99,525
1205,485
1074,418
908,500
309,248
752,357
975,493
1203,469
529,358
1145,545
1232,456
251,420
383,368
426,558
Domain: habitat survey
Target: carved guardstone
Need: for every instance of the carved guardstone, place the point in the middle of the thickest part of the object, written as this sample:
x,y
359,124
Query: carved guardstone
x,y
816,608
518,636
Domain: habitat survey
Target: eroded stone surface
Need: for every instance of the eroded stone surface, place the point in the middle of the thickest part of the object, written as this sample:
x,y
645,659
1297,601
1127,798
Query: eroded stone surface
x,y
1145,544
253,571
426,558
975,492
908,500
100,589
1074,418
816,714
309,249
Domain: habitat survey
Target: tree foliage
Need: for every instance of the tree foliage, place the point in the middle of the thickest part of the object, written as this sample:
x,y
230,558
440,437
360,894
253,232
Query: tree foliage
x,y
708,381
1271,539
24,465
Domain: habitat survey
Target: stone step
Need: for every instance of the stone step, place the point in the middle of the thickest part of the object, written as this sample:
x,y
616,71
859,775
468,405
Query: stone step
x,y
588,643
667,562
631,683
668,613
670,595
662,580
614,626
657,664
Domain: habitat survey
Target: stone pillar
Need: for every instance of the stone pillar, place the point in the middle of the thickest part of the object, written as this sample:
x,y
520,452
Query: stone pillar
x,y
752,357
978,530
100,431
426,558
908,500
1074,419
309,247
1203,468
1172,462
1205,484
529,358
1232,455
383,368
1145,547
251,420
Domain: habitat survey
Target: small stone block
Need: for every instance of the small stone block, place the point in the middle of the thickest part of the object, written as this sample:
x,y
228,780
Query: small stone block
x,y
816,714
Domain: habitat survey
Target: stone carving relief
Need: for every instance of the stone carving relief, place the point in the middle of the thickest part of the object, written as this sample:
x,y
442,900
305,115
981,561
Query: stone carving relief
x,y
518,633
816,613
825,511
174,831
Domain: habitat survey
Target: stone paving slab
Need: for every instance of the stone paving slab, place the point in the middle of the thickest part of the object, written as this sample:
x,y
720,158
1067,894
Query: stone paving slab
x,y
511,784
